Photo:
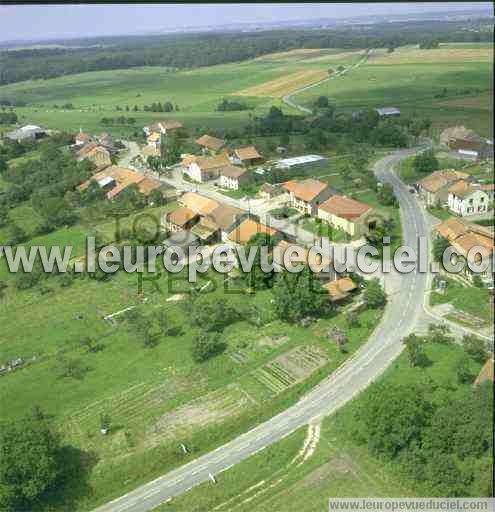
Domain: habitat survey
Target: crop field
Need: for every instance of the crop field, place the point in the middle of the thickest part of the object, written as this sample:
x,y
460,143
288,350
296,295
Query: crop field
x,y
421,85
286,84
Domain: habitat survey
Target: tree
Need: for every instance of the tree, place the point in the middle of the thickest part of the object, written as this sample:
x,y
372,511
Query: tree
x,y
256,278
352,319
440,245
475,347
410,411
298,295
425,162
211,313
322,102
105,422
439,334
386,195
30,462
374,295
16,235
477,281
463,370
415,351
339,336
207,345
3,165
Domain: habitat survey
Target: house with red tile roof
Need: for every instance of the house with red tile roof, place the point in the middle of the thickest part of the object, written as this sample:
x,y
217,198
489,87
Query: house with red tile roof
x,y
346,214
307,195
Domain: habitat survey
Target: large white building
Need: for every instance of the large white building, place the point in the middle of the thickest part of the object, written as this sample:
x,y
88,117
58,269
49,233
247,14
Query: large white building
x,y
468,199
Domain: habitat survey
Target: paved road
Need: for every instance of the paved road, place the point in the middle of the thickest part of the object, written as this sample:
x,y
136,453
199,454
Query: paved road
x,y
384,345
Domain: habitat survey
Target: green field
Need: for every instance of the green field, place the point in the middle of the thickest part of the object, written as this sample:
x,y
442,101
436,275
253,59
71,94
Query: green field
x,y
275,479
411,83
464,71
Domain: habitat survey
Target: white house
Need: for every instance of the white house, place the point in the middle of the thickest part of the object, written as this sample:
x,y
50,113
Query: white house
x,y
468,199
202,169
233,177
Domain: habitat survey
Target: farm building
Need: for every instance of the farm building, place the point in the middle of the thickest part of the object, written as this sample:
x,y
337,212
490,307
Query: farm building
x,y
247,156
301,162
307,195
210,143
248,228
95,153
340,289
434,188
223,220
233,177
346,214
82,138
467,199
202,169
268,191
180,219
198,203
154,140
463,236
165,127
114,180
388,111
466,142
30,131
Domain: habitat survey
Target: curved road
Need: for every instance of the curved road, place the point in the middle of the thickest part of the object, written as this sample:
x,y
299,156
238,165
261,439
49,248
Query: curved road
x,y
400,318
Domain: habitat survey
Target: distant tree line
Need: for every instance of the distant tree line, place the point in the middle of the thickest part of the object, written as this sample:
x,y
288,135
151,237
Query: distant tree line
x,y
181,51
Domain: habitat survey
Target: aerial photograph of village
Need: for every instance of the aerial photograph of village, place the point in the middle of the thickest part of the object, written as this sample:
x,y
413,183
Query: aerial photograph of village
x,y
246,257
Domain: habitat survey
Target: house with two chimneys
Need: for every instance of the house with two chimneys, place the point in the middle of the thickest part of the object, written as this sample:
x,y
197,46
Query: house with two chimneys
x,y
307,195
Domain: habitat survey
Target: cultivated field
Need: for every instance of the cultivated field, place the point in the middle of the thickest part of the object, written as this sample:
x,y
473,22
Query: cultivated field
x,y
281,86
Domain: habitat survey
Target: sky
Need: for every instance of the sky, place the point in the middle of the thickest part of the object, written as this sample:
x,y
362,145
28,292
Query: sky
x,y
19,22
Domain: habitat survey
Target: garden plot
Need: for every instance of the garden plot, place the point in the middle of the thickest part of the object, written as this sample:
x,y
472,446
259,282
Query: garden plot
x,y
290,368
212,408
133,406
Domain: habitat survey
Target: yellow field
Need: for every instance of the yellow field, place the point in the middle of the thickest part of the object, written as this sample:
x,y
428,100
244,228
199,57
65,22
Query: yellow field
x,y
335,56
414,55
482,101
286,84
300,52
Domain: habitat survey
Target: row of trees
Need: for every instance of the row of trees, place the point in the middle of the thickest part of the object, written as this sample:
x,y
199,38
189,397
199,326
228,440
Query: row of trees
x,y
122,120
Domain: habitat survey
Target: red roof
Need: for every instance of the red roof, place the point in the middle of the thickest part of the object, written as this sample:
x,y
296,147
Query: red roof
x,y
345,207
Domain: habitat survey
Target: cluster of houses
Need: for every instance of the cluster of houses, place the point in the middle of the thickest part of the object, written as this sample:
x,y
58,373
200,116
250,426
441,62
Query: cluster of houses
x,y
98,149
317,199
464,236
201,220
458,191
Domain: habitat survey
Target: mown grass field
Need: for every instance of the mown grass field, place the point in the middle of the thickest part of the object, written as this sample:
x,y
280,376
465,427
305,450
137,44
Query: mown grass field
x,y
275,479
